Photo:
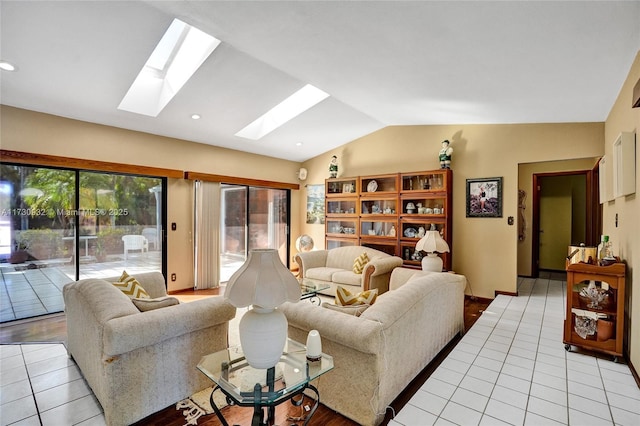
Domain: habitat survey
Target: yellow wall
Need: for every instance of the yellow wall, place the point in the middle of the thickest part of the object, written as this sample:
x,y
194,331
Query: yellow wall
x,y
484,249
29,131
626,236
562,203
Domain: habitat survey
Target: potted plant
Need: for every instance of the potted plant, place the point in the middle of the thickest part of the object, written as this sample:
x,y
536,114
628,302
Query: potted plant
x,y
100,250
20,254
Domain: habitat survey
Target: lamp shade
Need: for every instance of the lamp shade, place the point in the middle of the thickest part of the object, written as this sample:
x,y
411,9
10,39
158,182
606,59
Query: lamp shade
x,y
432,242
262,280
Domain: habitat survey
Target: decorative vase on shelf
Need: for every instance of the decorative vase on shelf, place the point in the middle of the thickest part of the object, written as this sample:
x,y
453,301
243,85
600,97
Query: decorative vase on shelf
x,y
604,330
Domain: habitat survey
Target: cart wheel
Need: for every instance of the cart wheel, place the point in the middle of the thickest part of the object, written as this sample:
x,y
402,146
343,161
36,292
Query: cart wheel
x,y
567,348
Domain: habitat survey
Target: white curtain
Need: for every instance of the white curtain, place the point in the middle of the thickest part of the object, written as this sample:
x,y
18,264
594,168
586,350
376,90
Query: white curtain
x,y
206,241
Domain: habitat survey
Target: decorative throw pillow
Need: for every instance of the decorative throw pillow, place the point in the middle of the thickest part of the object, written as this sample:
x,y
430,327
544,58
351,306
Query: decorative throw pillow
x,y
358,264
355,310
345,298
144,304
131,287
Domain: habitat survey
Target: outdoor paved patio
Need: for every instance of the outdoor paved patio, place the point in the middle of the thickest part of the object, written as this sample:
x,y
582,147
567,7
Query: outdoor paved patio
x,y
26,293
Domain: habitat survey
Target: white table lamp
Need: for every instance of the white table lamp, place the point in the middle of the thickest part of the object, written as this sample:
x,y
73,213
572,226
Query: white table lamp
x,y
265,283
433,244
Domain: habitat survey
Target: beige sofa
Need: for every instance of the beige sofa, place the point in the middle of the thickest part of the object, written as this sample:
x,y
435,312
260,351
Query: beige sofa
x,y
377,354
335,268
138,363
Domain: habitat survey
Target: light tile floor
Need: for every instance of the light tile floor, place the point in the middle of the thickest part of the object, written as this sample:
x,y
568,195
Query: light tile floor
x,y
41,385
510,368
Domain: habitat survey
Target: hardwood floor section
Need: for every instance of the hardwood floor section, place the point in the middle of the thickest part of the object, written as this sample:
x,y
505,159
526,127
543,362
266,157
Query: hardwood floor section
x,y
53,328
47,329
286,415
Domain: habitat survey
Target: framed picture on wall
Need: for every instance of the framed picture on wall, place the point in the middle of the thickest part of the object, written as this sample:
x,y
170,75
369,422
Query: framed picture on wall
x,y
315,204
484,197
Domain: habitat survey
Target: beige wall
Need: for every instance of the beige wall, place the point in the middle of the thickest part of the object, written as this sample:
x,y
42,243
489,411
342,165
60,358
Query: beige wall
x,y
485,250
626,235
525,182
29,131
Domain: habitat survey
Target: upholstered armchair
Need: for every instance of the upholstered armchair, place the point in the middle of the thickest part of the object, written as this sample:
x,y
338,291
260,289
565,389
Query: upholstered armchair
x,y
139,362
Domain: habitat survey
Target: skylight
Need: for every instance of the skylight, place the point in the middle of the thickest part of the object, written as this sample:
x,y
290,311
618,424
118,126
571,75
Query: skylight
x,y
7,66
175,59
286,110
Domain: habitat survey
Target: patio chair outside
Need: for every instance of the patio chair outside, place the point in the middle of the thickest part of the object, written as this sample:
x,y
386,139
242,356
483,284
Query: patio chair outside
x,y
151,235
134,242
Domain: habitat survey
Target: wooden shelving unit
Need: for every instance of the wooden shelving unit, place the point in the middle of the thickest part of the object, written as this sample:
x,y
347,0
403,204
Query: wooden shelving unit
x,y
341,212
378,207
430,192
606,333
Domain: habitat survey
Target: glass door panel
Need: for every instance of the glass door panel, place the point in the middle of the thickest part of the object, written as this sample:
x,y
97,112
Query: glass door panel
x,y
60,225
233,229
251,218
37,222
268,220
120,224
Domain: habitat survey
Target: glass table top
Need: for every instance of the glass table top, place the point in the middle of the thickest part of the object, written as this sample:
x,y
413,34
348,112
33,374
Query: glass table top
x,y
229,370
310,287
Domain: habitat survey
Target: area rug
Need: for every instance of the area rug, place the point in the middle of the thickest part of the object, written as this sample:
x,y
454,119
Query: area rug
x,y
198,405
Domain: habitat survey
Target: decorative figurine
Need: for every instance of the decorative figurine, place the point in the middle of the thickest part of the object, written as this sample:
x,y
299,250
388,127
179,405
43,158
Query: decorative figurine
x,y
445,155
333,167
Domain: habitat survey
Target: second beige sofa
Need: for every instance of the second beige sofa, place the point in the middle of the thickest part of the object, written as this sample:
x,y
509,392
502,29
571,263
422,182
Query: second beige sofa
x,y
335,268
377,354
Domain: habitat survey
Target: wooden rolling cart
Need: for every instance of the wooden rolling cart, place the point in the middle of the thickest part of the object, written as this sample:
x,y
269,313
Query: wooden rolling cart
x,y
595,308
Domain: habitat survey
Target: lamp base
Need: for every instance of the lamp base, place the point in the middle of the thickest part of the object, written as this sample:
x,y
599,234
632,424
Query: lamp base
x,y
263,334
432,263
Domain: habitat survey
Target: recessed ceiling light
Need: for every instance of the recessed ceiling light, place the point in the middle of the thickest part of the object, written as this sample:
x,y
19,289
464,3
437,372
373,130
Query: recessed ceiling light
x,y
175,59
286,110
7,66
195,116
298,143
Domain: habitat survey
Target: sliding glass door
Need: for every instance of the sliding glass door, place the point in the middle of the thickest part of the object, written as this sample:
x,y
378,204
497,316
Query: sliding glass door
x,y
120,224
251,218
60,225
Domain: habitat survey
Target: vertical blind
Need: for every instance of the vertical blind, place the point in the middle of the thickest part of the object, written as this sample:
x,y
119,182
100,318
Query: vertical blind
x,y
206,242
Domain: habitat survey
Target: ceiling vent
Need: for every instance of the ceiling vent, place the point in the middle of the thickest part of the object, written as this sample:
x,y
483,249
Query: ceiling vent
x,y
636,95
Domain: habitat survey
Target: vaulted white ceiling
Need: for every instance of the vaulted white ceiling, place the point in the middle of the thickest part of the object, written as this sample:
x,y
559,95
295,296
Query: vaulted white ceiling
x,y
383,63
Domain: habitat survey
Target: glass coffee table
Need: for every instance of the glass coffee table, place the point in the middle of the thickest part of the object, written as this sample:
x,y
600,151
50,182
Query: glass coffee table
x,y
310,288
263,389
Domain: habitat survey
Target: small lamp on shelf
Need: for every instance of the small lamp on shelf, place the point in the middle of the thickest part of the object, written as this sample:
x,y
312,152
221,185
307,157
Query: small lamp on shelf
x,y
432,243
264,283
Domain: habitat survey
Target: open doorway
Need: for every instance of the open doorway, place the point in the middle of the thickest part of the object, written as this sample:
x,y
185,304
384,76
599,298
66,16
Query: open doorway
x,y
566,212
528,207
